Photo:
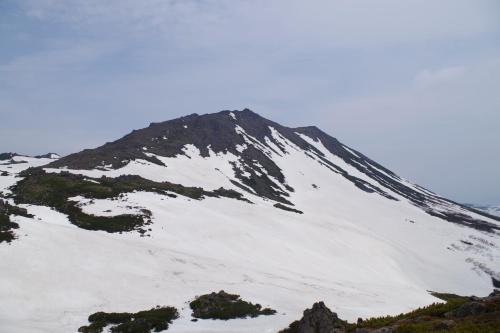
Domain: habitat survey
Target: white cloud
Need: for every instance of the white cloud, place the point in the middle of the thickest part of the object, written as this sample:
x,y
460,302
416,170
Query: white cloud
x,y
294,22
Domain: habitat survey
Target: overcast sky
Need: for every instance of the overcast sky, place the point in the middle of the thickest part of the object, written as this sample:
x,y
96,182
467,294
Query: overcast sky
x,y
413,84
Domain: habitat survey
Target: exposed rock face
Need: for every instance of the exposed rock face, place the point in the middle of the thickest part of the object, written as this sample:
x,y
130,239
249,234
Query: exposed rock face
x,y
318,319
496,282
256,171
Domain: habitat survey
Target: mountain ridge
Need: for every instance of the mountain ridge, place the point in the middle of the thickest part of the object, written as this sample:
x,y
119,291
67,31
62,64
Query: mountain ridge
x,y
226,131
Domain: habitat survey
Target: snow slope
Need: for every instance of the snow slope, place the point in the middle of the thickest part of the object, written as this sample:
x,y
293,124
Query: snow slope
x,y
360,252
491,209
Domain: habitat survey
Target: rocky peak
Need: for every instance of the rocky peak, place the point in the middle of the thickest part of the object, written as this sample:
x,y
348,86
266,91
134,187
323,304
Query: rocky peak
x,y
257,148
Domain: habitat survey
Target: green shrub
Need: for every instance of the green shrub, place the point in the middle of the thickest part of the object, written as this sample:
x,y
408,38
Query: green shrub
x,y
225,306
53,189
155,320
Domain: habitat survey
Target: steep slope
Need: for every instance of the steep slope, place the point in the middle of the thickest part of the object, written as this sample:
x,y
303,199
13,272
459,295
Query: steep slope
x,y
368,242
493,210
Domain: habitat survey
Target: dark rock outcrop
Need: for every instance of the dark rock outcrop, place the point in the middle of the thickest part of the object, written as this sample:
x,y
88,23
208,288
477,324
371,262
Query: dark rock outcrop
x,y
495,293
496,282
318,319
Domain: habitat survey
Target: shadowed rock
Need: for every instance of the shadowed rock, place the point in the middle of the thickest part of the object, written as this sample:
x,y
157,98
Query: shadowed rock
x,y
318,319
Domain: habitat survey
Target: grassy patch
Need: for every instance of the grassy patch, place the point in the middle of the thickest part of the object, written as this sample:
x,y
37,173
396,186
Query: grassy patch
x,y
458,314
226,306
433,310
53,189
155,320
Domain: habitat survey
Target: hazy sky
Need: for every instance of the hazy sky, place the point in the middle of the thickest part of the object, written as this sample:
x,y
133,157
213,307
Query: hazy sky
x,y
413,84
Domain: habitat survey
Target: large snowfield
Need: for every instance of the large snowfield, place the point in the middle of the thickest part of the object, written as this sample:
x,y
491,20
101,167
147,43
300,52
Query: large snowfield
x,y
361,253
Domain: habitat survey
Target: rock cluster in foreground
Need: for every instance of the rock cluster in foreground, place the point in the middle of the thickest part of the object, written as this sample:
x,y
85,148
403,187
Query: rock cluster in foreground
x,y
457,314
318,319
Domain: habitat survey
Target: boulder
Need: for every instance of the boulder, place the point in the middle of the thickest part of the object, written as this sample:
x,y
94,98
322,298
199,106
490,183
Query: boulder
x,y
318,319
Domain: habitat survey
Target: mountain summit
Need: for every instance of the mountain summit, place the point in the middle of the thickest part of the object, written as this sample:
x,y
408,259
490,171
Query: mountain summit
x,y
283,217
252,144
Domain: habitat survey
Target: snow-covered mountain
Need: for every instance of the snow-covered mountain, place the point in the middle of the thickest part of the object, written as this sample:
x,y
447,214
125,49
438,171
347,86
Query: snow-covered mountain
x,y
282,216
489,209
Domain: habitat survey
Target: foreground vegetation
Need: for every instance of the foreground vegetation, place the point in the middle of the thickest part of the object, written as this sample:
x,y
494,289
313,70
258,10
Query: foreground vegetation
x,y
226,306
155,320
457,314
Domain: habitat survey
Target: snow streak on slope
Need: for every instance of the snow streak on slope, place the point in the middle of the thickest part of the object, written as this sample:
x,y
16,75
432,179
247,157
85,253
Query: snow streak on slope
x,y
362,246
